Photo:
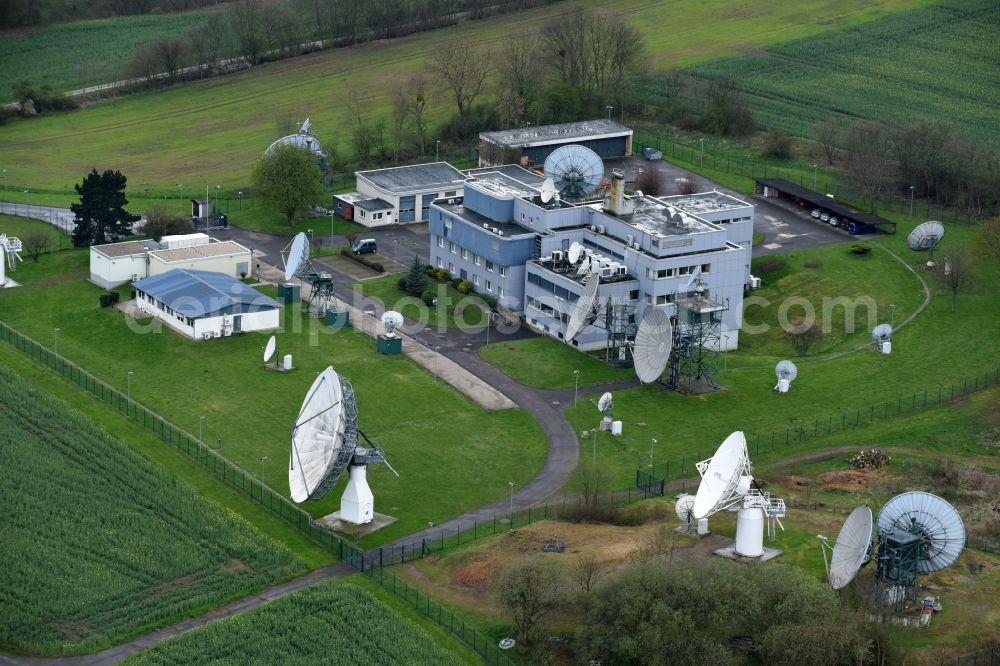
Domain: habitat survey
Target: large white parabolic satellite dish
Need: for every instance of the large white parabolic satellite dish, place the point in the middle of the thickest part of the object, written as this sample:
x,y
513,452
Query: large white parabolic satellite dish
x,y
324,437
721,478
583,307
298,256
786,370
882,332
575,250
653,342
577,171
852,548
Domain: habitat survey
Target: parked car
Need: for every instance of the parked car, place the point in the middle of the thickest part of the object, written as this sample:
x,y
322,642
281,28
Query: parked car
x,y
834,220
824,216
816,213
844,224
364,246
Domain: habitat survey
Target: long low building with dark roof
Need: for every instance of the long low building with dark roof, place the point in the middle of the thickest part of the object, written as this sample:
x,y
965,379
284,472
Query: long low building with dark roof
x,y
531,145
850,220
205,304
116,263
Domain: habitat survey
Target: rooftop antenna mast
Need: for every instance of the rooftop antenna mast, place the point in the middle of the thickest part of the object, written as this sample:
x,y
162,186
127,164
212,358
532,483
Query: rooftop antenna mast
x,y
298,264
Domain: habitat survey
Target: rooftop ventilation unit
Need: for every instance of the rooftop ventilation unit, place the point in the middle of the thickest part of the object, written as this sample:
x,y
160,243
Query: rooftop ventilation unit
x,y
600,228
557,255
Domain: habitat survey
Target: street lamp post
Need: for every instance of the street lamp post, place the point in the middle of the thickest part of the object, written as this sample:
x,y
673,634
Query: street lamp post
x,y
201,429
180,206
576,385
27,204
128,379
241,199
652,443
815,167
911,200
217,199
892,314
702,158
593,435
511,484
263,459
609,111
55,332
437,150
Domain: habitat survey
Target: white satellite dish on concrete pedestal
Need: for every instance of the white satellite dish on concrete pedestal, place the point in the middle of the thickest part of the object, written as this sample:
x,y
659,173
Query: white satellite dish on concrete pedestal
x,y
882,334
391,320
786,373
270,349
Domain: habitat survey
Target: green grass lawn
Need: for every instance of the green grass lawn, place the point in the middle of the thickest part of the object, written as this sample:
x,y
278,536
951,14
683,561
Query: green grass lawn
x,y
250,411
938,348
338,620
549,364
879,69
100,544
20,227
187,135
453,310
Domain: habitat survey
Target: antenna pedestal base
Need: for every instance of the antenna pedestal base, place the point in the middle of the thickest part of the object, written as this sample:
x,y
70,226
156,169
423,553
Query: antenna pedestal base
x,y
730,553
335,522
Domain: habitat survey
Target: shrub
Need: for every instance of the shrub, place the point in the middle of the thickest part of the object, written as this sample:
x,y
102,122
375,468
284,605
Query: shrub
x,y
441,274
430,271
861,249
428,297
401,283
803,335
770,266
109,299
778,143
464,287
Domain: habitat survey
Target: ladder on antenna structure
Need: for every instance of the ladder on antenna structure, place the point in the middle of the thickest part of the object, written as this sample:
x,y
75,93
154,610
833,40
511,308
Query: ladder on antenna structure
x,y
773,508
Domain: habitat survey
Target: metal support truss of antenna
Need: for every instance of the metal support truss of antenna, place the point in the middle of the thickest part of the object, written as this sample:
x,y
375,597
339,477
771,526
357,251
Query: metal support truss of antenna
x,y
322,298
896,574
694,363
619,321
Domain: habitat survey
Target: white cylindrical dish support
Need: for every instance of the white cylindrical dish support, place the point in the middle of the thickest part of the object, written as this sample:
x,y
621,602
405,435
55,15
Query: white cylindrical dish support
x,y
357,504
750,532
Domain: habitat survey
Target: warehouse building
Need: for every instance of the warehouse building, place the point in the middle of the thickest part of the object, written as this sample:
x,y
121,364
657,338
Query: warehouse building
x,y
116,263
531,145
398,195
205,304
513,247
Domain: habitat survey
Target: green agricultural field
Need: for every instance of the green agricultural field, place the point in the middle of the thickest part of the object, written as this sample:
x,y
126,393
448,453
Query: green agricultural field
x,y
432,434
98,543
936,349
211,132
334,621
938,62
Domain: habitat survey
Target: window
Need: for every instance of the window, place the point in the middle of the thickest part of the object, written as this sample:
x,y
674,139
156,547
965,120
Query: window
x,y
475,259
451,193
451,267
633,295
440,241
662,299
489,286
362,212
475,279
452,247
522,217
465,253
500,292
503,271
489,266
706,268
440,264
377,216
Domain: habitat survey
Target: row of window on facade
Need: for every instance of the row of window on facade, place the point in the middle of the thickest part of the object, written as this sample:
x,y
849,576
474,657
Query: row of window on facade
x,y
163,307
663,273
500,291
454,248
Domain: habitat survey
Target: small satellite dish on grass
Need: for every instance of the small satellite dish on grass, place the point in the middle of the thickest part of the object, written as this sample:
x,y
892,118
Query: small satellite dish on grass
x,y
653,342
575,250
583,308
851,550
606,403
270,349
685,508
882,334
786,373
391,320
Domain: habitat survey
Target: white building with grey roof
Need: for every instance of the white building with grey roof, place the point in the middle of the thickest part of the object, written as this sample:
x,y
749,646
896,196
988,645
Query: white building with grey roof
x,y
398,195
116,263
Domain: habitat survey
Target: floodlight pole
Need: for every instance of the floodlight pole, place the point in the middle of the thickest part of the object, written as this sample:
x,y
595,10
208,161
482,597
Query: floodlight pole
x,y
217,199
593,435
241,199
128,379
55,331
437,149
892,313
652,443
576,385
511,484
201,429
815,166
609,107
702,159
911,200
263,459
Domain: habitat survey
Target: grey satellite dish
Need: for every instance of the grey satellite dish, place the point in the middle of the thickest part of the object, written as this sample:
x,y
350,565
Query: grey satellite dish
x,y
575,250
851,549
935,521
392,320
653,342
298,257
882,332
925,236
583,307
548,190
605,403
269,350
323,439
684,508
576,171
786,373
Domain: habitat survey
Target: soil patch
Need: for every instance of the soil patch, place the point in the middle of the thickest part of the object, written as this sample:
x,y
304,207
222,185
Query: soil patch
x,y
73,631
850,479
168,585
474,574
234,566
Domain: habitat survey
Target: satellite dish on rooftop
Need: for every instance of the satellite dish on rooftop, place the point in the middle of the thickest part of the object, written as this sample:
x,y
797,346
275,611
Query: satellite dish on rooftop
x,y
695,278
270,348
786,373
653,342
583,307
576,171
391,320
936,522
548,190
575,250
298,257
852,549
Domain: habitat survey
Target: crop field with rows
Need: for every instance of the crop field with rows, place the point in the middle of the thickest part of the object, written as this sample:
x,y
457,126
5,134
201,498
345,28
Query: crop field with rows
x,y
330,623
939,62
98,543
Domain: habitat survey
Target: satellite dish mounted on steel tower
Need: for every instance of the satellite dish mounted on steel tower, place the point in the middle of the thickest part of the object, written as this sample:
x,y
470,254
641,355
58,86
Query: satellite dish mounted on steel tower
x,y
296,257
325,444
575,170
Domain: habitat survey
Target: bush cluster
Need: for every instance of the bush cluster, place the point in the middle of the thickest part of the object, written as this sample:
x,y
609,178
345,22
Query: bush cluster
x,y
374,265
871,459
861,249
109,299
